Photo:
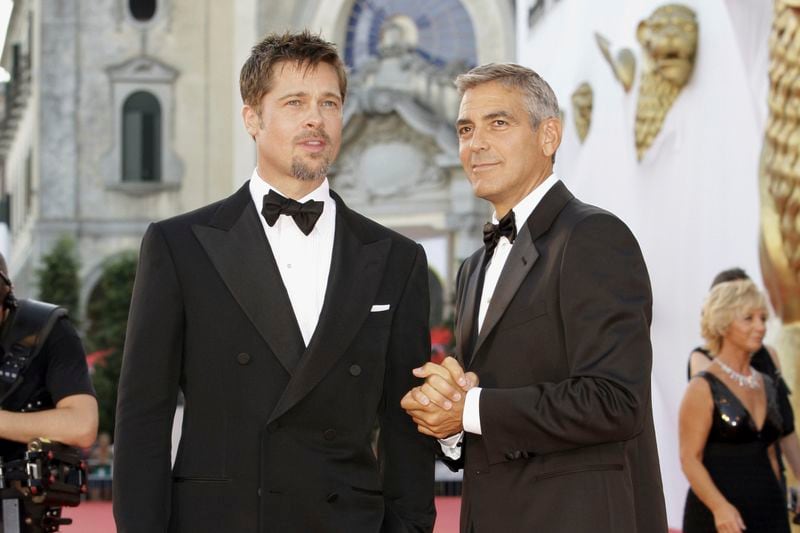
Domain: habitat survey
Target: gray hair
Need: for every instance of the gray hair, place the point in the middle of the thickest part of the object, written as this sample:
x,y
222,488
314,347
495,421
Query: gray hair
x,y
540,100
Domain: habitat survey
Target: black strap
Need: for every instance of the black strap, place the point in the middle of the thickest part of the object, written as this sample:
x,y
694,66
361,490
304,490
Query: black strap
x,y
22,339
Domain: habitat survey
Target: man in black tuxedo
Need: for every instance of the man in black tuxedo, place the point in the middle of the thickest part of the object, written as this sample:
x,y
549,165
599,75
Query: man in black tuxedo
x,y
291,325
553,318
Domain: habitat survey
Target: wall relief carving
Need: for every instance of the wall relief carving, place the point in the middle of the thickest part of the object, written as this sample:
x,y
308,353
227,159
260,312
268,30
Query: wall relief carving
x,y
669,44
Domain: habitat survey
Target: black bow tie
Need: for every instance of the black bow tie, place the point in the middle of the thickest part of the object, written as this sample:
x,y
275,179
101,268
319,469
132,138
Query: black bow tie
x,y
492,232
305,215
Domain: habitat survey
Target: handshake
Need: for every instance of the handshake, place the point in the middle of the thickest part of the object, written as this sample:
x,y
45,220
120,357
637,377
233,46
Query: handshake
x,y
437,405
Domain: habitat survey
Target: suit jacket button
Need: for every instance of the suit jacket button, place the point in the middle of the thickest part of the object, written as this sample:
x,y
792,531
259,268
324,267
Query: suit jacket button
x,y
332,497
510,456
329,434
355,370
243,358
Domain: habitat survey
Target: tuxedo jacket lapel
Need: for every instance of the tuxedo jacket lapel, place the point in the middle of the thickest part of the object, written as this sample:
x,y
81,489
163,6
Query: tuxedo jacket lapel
x,y
235,242
467,325
521,259
357,268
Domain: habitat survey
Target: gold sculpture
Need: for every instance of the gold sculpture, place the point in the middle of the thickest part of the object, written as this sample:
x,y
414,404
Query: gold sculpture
x,y
779,182
623,65
669,42
582,109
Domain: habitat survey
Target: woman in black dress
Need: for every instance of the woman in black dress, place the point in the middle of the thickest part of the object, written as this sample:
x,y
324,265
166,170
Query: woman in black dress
x,y
766,361
729,422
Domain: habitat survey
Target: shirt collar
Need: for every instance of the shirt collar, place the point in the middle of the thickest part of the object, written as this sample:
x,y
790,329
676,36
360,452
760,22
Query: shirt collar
x,y
526,206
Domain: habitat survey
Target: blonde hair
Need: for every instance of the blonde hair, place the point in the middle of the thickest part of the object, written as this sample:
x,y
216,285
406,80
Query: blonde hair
x,y
725,303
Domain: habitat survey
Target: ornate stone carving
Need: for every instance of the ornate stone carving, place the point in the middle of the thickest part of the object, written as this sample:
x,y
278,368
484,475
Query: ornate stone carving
x,y
623,65
669,43
394,145
387,158
582,100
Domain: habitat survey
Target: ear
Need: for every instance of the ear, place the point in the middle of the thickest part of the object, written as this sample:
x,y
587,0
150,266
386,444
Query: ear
x,y
251,120
550,135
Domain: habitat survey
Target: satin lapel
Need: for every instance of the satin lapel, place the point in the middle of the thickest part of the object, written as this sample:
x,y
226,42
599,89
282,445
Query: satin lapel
x,y
356,272
468,314
244,260
522,257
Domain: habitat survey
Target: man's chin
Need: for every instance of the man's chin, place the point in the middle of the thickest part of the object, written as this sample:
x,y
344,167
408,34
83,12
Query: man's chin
x,y
305,172
481,190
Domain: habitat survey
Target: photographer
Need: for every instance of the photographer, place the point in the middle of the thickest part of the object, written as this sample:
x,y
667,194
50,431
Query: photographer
x,y
45,390
55,398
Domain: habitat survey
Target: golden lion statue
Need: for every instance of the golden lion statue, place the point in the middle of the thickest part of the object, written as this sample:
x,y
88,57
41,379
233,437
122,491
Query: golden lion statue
x,y
669,41
582,109
780,167
779,185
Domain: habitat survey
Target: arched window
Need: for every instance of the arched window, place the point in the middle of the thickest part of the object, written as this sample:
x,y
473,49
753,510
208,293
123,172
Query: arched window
x,y
141,138
142,10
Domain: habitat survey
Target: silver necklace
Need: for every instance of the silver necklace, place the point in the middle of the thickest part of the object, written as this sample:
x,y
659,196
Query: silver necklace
x,y
751,381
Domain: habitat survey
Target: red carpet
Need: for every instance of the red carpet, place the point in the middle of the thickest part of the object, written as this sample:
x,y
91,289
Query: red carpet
x,y
447,510
95,517
90,517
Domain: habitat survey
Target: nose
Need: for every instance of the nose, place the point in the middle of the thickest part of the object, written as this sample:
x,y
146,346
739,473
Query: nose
x,y
313,119
477,142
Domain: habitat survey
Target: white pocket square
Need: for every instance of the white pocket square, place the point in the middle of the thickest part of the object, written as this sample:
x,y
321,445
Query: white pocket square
x,y
379,307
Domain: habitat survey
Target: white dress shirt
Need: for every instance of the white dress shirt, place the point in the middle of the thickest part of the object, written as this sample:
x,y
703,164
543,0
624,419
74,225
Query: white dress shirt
x,y
471,417
303,261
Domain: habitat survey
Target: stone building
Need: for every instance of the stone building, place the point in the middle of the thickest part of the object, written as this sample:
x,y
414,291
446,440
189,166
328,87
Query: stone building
x,y
121,112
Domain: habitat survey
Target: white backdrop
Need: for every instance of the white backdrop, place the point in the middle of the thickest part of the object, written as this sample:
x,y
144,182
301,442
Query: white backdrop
x,y
693,200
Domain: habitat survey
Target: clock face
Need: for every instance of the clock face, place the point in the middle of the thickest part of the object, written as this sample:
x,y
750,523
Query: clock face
x,y
439,31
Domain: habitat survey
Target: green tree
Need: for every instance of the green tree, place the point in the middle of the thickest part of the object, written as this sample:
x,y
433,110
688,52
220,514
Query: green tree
x,y
108,319
58,276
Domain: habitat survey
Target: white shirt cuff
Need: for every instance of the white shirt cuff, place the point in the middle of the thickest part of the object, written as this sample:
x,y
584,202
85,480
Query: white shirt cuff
x,y
450,445
472,414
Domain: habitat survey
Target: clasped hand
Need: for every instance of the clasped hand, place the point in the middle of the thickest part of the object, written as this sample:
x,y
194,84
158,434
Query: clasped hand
x,y
437,406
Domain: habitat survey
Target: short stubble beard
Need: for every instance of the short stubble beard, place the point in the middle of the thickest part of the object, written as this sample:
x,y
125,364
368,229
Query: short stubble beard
x,y
304,172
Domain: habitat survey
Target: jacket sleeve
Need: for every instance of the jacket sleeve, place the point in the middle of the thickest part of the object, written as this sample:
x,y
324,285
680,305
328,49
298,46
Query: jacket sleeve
x,y
407,456
456,464
605,311
148,391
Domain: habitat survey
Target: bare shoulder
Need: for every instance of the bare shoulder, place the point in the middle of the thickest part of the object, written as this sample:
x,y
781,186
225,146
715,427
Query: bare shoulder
x,y
698,361
698,393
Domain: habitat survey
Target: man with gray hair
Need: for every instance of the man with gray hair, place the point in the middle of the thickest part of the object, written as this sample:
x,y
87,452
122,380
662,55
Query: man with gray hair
x,y
553,319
